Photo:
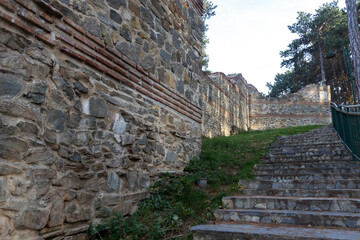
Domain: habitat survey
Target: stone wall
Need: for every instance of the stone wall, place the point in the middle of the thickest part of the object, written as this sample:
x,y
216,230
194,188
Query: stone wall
x,y
232,105
226,105
309,106
96,99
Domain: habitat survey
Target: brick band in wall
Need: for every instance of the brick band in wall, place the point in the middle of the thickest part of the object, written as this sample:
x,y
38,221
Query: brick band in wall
x,y
74,41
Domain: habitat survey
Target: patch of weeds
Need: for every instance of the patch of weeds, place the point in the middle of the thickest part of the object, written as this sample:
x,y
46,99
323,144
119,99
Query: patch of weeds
x,y
176,203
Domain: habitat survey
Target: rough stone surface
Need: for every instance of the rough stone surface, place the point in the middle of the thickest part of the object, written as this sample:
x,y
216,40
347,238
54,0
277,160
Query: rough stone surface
x,y
80,136
97,107
9,87
12,149
33,218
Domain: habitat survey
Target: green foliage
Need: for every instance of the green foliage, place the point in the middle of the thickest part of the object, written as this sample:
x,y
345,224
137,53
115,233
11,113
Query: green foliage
x,y
176,203
209,11
324,31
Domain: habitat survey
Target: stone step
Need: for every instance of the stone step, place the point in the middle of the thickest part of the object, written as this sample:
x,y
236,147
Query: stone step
x,y
311,158
304,185
306,154
310,148
346,193
304,143
312,218
324,138
309,170
248,231
302,165
317,136
307,176
319,204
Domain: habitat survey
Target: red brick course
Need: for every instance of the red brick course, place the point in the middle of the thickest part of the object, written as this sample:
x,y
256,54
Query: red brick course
x,y
98,56
7,5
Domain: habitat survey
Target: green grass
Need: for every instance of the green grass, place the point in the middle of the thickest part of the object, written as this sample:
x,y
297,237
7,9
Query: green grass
x,y
176,203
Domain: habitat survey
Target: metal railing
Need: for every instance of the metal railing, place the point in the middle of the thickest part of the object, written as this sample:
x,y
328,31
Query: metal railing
x,y
346,122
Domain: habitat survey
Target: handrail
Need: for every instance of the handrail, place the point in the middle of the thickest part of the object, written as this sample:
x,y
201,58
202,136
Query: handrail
x,y
346,122
347,109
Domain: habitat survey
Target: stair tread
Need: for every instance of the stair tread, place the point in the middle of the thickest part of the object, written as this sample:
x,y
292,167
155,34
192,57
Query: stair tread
x,y
284,212
291,197
271,230
300,181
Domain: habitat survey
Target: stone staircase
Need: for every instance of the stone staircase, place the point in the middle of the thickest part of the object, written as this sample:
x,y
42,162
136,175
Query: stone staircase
x,y
307,187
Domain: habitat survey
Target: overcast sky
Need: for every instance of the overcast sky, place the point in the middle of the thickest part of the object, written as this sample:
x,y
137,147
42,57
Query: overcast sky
x,y
246,36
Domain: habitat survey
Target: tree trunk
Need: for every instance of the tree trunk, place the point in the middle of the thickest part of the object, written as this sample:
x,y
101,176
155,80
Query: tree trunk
x,y
354,36
323,79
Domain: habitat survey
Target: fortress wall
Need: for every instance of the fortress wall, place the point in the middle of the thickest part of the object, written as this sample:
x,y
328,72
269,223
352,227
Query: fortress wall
x,y
96,99
226,105
309,106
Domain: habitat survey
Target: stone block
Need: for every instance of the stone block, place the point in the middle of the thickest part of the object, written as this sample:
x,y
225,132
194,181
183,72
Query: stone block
x,y
12,149
7,169
28,127
41,155
77,213
132,180
14,109
57,215
32,218
97,107
56,119
9,87
170,157
113,183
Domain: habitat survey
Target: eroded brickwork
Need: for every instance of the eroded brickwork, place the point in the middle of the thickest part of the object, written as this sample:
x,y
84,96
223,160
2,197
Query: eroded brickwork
x,y
96,99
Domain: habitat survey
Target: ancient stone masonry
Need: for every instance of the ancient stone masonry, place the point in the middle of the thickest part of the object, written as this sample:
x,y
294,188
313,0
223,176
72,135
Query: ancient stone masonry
x,y
96,98
226,105
232,105
309,106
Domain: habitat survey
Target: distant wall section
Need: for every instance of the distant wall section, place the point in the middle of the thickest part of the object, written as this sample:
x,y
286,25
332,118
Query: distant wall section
x,y
309,106
225,105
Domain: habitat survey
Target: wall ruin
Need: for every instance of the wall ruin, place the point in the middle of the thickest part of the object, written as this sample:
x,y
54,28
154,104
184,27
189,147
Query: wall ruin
x,y
96,99
309,106
232,105
226,105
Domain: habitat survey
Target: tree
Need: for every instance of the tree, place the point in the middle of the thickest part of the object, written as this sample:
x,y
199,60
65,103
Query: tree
x,y
354,36
318,33
283,85
209,11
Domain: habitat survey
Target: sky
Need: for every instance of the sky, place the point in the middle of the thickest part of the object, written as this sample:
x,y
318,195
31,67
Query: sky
x,y
246,36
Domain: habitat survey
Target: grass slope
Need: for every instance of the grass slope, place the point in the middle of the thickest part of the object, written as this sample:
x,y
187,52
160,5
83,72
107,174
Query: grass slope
x,y
176,203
